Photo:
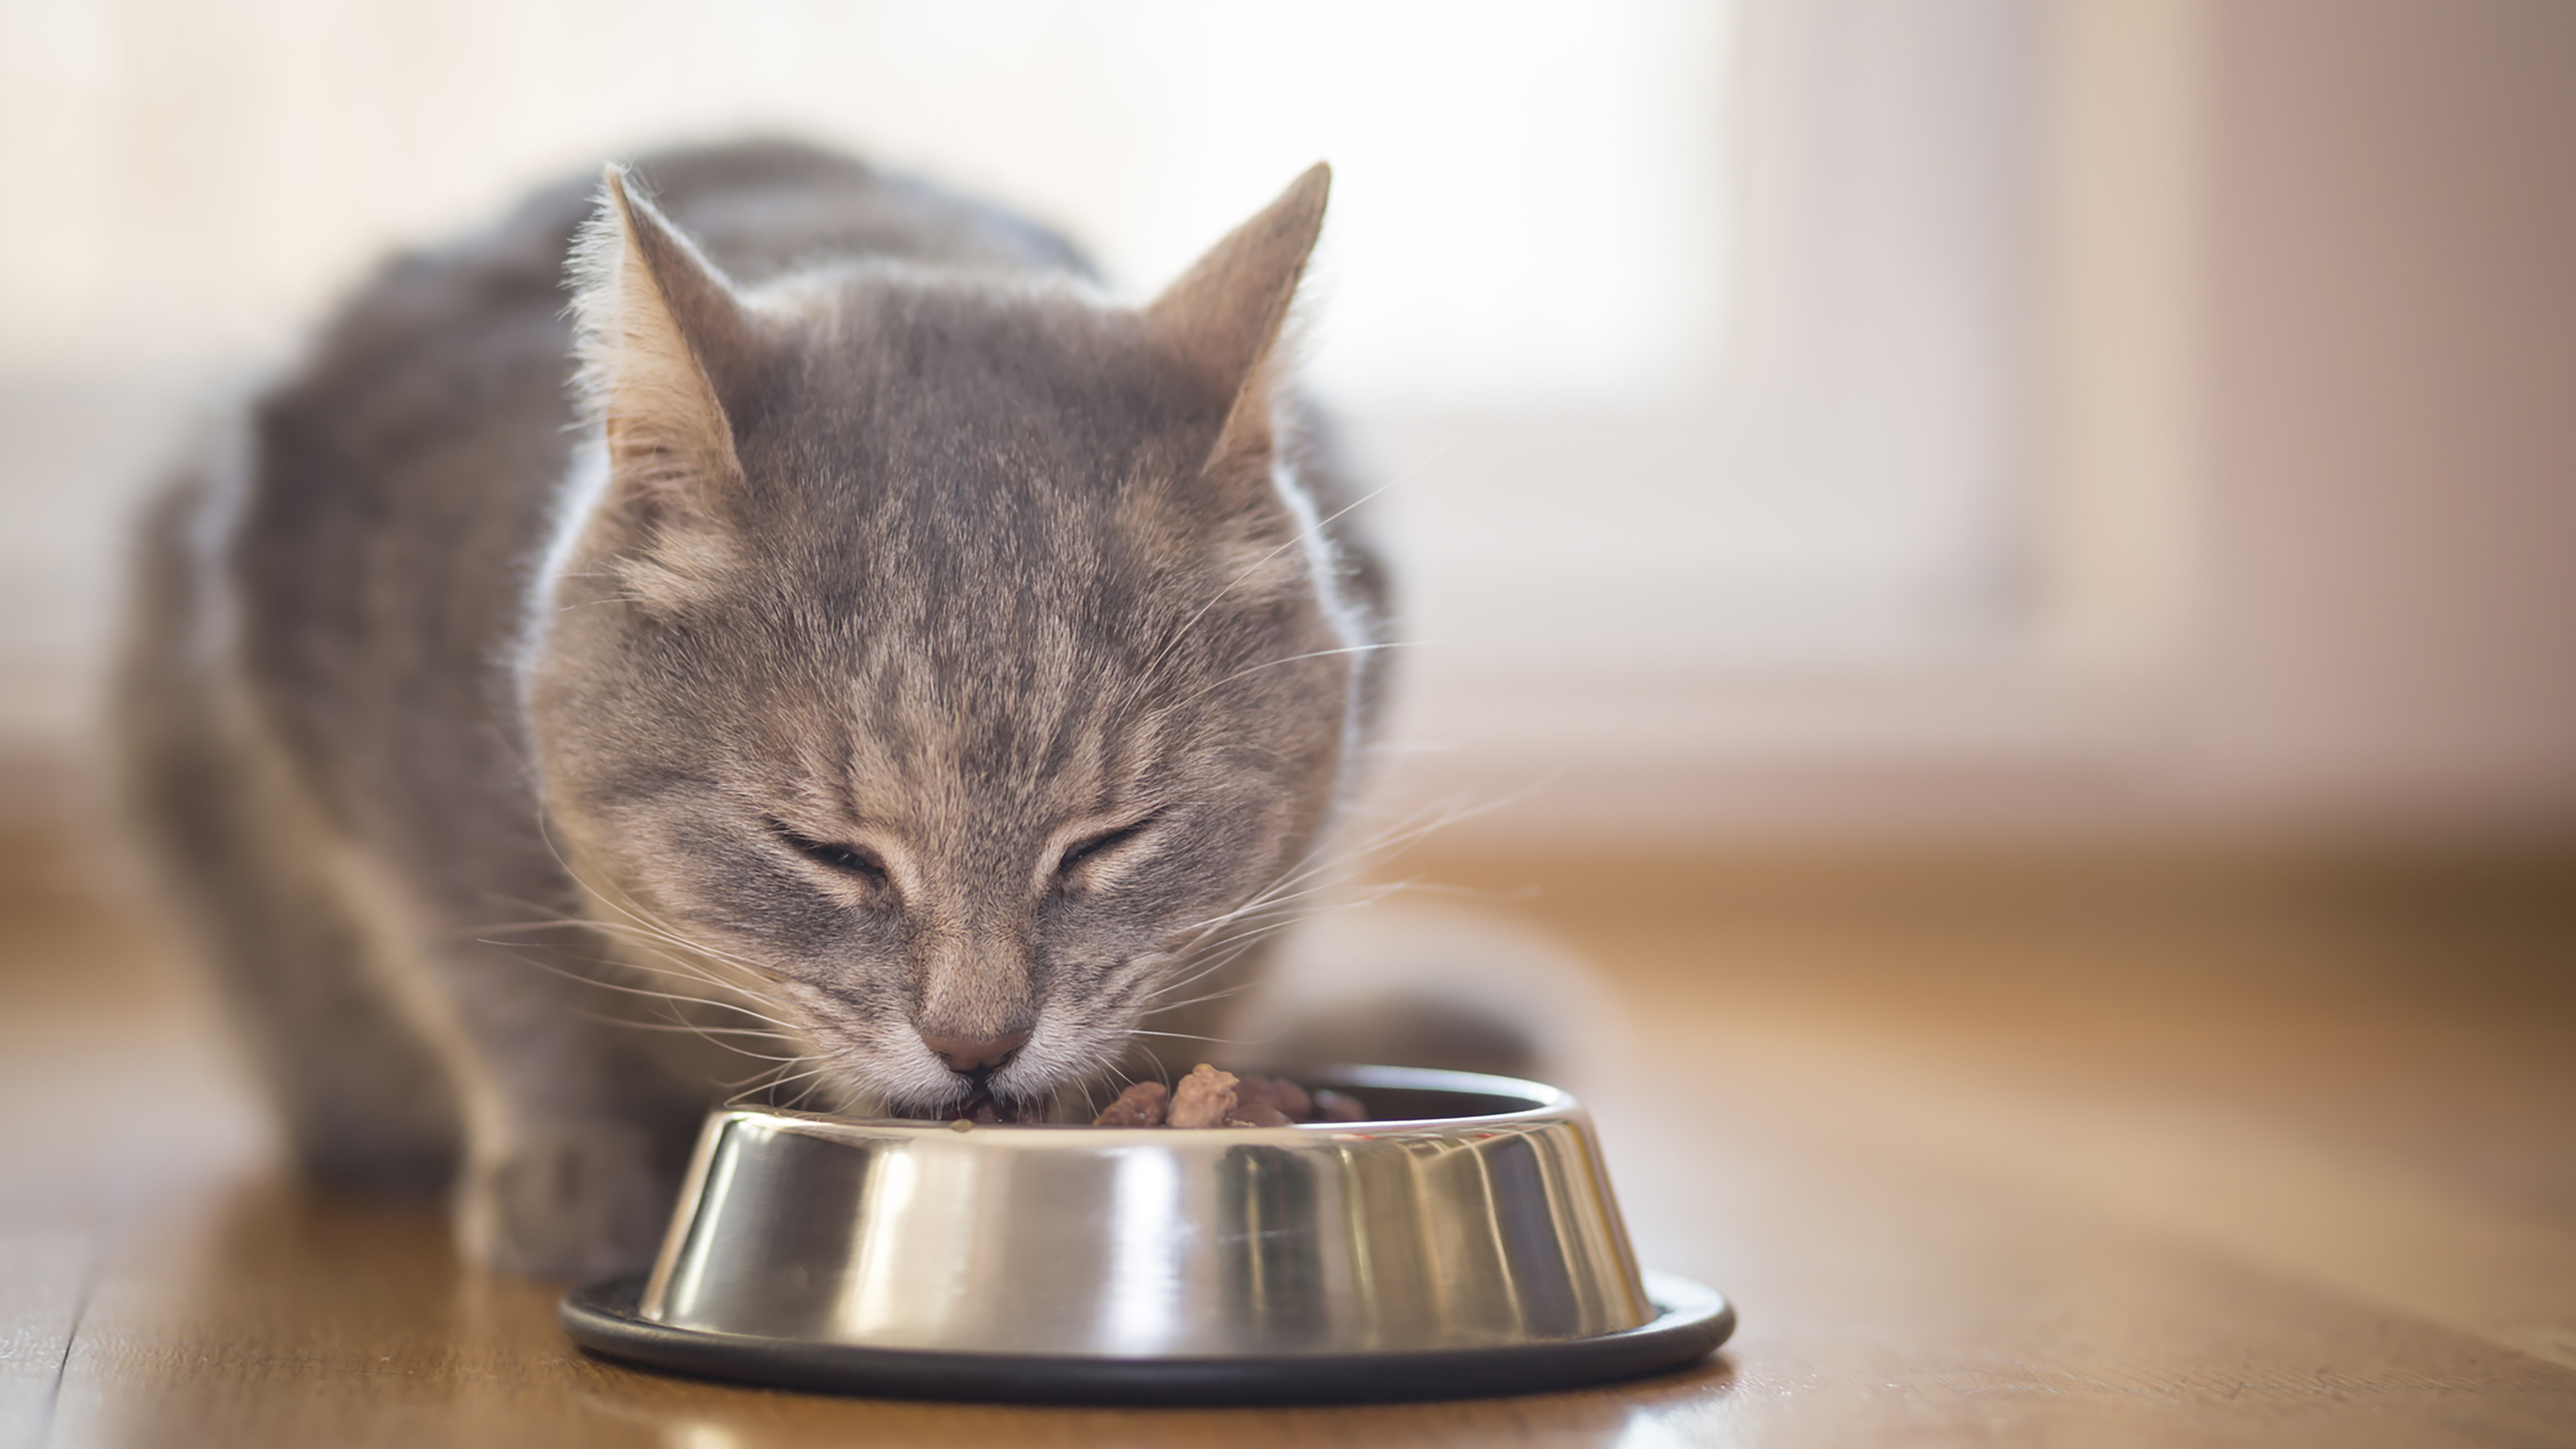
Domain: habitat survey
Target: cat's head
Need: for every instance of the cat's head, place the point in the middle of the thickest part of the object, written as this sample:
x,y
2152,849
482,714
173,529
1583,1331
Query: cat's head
x,y
948,655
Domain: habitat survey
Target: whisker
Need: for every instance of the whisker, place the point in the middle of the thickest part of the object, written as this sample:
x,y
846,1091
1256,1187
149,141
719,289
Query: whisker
x,y
1198,1000
576,976
744,1088
1155,660
679,998
641,919
1311,654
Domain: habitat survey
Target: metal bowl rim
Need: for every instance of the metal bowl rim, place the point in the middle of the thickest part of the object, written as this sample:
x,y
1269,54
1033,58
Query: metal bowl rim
x,y
1548,1104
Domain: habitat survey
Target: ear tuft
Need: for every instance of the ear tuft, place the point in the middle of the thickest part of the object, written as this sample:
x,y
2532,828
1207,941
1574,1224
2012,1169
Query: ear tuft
x,y
1225,315
660,336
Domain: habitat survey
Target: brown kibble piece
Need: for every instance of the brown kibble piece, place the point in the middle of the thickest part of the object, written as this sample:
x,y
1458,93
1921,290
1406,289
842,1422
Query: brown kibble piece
x,y
1141,1105
1333,1106
1204,1098
1277,1093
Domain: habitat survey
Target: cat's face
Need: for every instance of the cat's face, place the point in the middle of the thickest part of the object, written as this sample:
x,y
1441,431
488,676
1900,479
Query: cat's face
x,y
965,676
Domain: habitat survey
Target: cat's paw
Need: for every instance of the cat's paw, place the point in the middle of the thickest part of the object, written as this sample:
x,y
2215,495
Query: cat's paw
x,y
370,1143
578,1200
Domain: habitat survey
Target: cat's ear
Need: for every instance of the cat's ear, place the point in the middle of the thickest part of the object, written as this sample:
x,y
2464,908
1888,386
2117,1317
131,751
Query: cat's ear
x,y
1225,315
664,342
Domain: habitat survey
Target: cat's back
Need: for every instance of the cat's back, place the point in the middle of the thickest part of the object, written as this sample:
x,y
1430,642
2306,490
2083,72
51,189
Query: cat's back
x,y
461,354
399,485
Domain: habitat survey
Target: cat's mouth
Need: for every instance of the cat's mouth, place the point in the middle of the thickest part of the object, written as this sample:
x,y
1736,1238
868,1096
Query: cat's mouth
x,y
891,1069
983,1106
981,1102
1005,1095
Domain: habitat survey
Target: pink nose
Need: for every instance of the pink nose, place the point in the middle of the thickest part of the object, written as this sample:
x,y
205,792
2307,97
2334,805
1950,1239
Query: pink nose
x,y
974,1054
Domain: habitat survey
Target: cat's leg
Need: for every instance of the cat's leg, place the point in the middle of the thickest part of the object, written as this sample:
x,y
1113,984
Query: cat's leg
x,y
390,1063
246,863
580,1116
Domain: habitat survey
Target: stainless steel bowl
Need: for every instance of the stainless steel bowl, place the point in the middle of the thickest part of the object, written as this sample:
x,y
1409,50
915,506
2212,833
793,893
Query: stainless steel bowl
x,y
1477,1218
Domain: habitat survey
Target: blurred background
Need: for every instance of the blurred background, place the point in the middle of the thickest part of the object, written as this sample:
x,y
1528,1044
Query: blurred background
x,y
2005,568
1800,418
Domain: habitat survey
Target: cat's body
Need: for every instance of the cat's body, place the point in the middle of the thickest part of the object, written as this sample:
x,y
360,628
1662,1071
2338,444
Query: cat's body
x,y
894,642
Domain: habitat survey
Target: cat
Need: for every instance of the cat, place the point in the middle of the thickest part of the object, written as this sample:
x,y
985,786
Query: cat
x,y
850,637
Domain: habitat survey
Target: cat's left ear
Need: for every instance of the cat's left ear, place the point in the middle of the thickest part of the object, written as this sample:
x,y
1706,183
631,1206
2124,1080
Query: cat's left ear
x,y
1225,315
665,345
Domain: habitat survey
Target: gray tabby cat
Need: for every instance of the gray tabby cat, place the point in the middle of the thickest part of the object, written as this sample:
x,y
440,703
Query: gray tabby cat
x,y
852,637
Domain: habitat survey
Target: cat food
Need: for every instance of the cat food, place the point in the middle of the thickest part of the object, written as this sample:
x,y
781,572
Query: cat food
x,y
1141,1105
1204,1098
1210,1098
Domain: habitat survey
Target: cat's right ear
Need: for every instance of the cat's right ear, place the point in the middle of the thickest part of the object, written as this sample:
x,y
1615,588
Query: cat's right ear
x,y
1226,314
664,343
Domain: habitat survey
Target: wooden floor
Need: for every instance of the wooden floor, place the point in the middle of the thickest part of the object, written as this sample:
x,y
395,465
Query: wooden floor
x,y
2034,1153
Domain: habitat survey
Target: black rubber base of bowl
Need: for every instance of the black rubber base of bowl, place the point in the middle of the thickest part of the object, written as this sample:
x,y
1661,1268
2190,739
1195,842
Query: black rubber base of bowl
x,y
601,1317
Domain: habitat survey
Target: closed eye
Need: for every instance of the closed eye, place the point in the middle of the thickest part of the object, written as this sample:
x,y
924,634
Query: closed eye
x,y
1105,841
851,860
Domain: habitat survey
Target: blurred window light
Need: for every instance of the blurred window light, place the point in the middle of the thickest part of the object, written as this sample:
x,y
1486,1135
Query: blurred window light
x,y
1694,331
1526,210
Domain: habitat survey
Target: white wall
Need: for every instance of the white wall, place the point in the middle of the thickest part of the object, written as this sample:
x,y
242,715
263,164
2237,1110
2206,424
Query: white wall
x,y
2392,302
2307,491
